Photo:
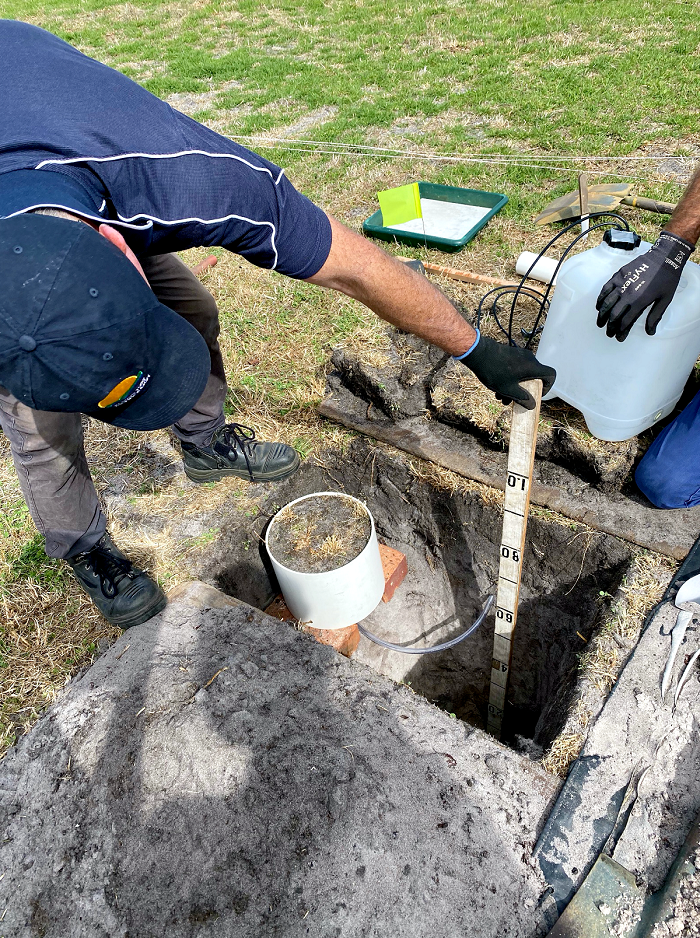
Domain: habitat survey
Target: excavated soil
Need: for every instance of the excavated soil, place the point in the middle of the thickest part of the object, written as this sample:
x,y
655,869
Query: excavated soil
x,y
408,378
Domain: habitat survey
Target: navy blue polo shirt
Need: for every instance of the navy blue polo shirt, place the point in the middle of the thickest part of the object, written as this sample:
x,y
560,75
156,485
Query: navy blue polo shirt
x,y
77,135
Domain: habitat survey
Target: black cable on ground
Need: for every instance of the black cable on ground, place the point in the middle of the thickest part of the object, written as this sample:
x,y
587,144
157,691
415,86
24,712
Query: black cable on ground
x,y
517,291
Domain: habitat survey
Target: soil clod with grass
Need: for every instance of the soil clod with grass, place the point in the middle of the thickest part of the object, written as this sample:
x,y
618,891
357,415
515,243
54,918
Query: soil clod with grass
x,y
408,379
319,534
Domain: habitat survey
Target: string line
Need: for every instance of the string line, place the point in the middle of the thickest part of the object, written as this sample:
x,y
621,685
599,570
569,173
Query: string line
x,y
504,156
524,162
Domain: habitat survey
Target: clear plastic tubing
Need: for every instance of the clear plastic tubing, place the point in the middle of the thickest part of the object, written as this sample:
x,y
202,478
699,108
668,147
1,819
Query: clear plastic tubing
x,y
429,651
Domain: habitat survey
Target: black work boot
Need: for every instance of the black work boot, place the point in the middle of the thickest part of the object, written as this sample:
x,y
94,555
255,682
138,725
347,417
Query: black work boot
x,y
124,594
234,451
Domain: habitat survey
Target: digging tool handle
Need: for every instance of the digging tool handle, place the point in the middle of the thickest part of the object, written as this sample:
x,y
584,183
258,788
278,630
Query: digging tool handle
x,y
204,265
649,205
466,276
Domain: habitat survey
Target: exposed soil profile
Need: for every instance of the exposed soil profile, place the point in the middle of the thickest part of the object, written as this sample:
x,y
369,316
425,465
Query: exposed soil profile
x,y
452,540
320,533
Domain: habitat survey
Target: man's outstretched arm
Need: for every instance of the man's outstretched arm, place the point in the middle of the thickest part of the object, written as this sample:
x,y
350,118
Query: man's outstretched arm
x,y
393,291
409,301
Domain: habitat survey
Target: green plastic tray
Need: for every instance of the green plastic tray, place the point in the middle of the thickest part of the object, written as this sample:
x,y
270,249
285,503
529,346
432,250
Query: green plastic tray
x,y
494,201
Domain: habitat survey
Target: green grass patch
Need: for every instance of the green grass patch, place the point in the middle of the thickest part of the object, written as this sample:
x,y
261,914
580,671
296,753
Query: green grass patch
x,y
31,563
556,75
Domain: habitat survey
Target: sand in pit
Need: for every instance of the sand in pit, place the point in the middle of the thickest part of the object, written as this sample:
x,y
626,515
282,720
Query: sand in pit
x,y
320,533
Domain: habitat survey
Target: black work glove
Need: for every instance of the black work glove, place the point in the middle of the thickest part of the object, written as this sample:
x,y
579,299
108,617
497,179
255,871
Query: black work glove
x,y
500,368
649,280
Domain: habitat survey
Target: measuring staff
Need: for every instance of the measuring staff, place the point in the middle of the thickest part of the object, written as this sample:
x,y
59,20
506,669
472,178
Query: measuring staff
x,y
521,458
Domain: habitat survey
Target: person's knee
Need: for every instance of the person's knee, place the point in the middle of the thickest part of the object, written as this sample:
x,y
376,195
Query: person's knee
x,y
207,320
40,434
665,484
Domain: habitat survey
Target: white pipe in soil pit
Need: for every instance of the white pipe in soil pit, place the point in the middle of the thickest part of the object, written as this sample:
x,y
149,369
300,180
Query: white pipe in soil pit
x,y
333,599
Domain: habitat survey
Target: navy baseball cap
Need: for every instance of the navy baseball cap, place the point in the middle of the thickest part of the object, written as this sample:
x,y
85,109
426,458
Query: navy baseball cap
x,y
82,332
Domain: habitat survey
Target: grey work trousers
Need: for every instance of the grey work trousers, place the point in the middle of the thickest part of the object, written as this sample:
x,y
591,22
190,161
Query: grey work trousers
x,y
47,447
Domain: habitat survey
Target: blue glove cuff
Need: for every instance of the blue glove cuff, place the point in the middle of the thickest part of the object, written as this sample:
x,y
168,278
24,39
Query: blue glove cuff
x,y
460,358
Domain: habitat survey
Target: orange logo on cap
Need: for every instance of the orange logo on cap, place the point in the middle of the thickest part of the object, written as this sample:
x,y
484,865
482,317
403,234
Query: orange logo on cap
x,y
120,391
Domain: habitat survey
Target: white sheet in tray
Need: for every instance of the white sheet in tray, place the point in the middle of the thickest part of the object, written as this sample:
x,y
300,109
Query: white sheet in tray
x,y
444,219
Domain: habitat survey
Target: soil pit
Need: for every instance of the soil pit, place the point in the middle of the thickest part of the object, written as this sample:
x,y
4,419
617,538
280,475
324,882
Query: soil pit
x,y
451,540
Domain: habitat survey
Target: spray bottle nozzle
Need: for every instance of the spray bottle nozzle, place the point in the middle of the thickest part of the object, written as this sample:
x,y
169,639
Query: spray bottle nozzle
x,y
623,240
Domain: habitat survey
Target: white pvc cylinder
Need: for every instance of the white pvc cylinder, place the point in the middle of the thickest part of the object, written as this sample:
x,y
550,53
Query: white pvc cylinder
x,y
337,598
542,271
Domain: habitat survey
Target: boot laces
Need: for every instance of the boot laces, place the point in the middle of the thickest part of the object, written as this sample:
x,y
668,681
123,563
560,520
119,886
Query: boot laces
x,y
239,437
109,568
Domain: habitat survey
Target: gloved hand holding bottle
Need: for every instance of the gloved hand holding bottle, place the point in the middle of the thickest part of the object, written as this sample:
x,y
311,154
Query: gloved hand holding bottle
x,y
650,281
647,281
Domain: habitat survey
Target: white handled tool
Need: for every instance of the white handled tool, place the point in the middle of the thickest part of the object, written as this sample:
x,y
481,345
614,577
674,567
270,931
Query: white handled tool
x,y
687,596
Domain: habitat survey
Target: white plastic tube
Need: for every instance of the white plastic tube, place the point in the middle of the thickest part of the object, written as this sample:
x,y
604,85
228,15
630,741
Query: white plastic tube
x,y
542,271
337,598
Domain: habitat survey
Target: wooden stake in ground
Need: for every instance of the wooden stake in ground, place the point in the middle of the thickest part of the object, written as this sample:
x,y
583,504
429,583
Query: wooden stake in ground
x,y
203,266
464,275
521,457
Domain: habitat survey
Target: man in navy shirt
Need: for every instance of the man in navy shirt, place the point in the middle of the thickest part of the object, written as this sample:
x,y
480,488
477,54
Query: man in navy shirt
x,y
100,182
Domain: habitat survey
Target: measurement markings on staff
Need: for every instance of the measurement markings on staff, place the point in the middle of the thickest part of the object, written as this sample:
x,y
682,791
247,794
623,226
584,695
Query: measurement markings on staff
x,y
521,454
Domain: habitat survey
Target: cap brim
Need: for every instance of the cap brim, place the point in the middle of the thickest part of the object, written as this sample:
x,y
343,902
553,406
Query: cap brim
x,y
178,375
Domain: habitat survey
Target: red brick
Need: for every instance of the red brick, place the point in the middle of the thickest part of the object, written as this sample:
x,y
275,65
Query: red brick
x,y
344,641
395,569
278,610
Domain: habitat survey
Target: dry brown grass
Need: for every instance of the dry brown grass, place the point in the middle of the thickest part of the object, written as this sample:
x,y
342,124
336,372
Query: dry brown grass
x,y
48,633
307,525
563,752
467,397
642,588
276,338
560,416
452,482
604,657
